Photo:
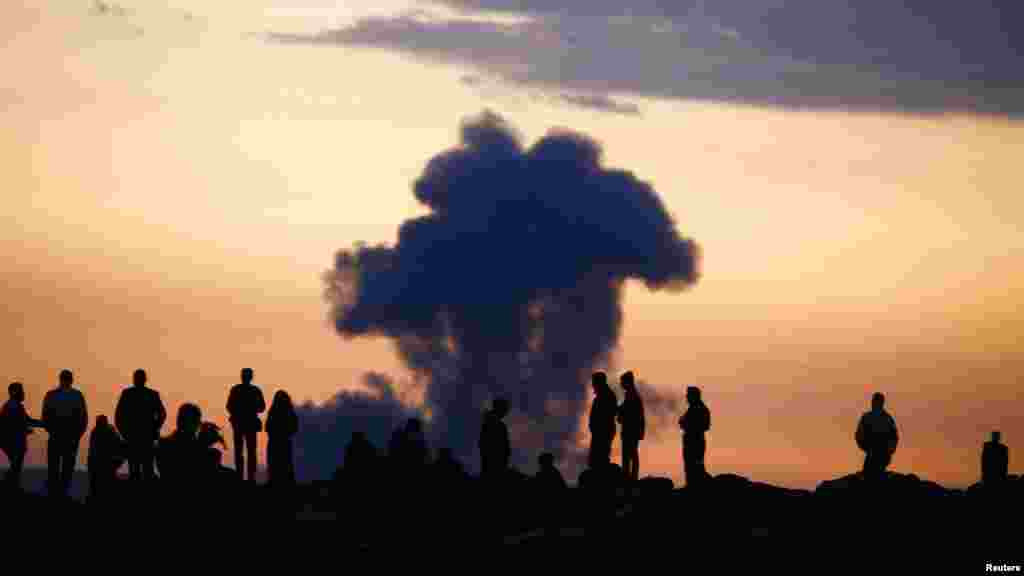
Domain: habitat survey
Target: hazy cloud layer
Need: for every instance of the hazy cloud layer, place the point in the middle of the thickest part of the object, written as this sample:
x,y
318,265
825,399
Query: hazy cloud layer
x,y
911,56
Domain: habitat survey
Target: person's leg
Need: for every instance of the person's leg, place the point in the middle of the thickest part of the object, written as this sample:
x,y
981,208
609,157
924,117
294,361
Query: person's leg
x,y
68,468
250,444
272,463
52,467
634,459
239,459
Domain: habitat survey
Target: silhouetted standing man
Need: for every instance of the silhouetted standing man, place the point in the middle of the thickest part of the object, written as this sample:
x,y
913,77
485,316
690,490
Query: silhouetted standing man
x,y
694,423
495,448
877,437
995,461
66,418
139,416
631,416
602,421
245,404
15,426
282,425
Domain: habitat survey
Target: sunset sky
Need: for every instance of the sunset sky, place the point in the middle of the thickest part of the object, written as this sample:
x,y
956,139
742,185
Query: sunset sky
x,y
178,175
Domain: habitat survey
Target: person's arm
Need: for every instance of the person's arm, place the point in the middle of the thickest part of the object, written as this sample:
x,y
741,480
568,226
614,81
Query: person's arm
x,y
83,417
232,401
261,404
119,413
47,411
161,413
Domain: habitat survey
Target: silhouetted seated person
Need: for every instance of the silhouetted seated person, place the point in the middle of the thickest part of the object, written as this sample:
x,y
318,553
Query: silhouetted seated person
x,y
282,425
139,416
182,457
877,436
106,454
602,421
447,468
631,416
548,479
694,423
495,448
15,426
995,462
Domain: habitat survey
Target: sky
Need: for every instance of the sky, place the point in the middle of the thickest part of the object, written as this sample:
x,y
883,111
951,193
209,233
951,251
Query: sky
x,y
180,174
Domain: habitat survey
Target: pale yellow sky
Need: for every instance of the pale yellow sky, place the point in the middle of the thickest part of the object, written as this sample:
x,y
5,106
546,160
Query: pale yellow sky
x,y
170,200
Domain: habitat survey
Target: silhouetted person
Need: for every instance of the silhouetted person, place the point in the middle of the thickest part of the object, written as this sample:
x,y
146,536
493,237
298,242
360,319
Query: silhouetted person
x,y
447,467
282,425
495,448
105,457
15,426
631,416
360,457
415,451
877,436
245,404
548,478
995,461
66,418
602,421
181,455
694,423
139,416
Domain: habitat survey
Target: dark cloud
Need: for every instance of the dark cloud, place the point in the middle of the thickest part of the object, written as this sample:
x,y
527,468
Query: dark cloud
x,y
325,430
511,285
910,56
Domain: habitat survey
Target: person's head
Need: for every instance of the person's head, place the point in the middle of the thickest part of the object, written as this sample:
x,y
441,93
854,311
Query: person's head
x,y
996,436
546,460
189,419
877,401
246,375
500,407
692,394
281,400
358,437
413,425
102,422
599,381
627,381
139,378
66,379
16,391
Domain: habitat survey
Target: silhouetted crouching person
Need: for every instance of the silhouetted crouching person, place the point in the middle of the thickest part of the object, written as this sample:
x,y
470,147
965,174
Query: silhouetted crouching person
x,y
139,416
245,404
282,425
631,416
180,456
995,461
494,444
877,436
15,426
106,454
602,422
66,419
694,423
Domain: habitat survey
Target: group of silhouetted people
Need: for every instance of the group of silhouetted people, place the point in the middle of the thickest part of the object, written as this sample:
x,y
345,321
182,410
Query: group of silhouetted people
x,y
189,455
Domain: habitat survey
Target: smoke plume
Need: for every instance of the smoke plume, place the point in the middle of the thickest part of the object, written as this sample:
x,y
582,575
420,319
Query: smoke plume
x,y
511,285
